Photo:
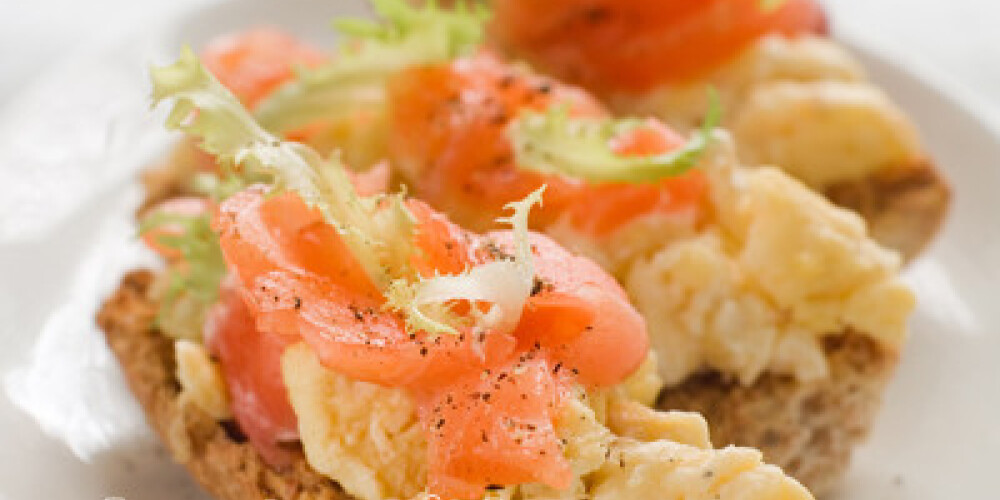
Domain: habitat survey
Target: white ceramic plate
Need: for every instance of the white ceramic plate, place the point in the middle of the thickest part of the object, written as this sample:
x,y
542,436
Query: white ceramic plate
x,y
70,148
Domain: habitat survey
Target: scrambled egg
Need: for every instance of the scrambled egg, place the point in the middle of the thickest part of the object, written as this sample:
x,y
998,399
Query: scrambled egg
x,y
364,436
802,103
367,438
755,284
824,133
201,379
652,454
645,383
640,237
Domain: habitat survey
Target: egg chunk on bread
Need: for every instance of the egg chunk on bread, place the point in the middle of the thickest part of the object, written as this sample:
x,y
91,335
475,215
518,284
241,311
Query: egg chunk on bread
x,y
804,104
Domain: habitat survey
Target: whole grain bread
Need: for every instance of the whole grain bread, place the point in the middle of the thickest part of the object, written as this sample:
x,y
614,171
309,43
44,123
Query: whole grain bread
x,y
807,429
215,453
904,207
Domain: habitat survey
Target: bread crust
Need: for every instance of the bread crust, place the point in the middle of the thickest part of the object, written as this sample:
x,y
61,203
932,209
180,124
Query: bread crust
x,y
216,455
904,206
807,429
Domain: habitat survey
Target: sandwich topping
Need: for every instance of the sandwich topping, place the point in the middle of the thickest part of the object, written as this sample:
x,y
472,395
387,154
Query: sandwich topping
x,y
488,333
794,98
473,133
655,41
716,293
470,133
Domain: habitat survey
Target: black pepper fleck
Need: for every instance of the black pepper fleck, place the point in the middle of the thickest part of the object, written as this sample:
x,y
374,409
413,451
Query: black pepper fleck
x,y
536,287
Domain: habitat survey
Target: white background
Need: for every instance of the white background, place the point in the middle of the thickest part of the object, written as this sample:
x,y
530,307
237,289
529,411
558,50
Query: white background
x,y
959,37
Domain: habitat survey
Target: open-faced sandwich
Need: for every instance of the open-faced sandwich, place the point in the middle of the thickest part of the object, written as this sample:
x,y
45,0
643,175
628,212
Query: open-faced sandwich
x,y
303,310
771,310
793,97
314,338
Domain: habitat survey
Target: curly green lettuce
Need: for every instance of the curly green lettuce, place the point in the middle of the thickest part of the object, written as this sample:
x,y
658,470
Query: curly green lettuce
x,y
503,285
552,142
218,186
370,53
193,288
378,230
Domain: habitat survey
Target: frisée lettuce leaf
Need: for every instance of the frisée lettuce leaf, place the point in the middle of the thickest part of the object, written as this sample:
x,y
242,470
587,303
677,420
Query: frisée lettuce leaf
x,y
192,288
378,230
503,285
551,142
370,53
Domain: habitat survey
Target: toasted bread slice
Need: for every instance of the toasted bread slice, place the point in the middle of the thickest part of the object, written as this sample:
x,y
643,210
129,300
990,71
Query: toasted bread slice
x,y
807,429
904,206
215,453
